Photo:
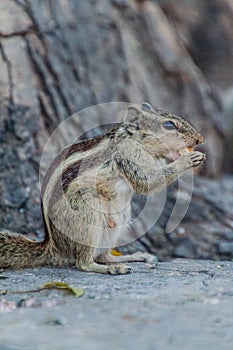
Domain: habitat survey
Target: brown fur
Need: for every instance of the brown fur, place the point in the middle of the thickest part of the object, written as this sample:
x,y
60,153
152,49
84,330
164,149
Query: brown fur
x,y
87,189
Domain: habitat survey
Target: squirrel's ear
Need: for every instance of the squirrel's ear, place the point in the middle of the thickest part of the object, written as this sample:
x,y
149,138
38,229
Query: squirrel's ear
x,y
132,115
147,107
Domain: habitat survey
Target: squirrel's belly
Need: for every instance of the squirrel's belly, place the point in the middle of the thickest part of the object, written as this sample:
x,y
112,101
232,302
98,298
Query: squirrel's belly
x,y
116,233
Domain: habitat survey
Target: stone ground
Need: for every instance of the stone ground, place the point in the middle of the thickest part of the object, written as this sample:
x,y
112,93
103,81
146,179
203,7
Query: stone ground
x,y
182,304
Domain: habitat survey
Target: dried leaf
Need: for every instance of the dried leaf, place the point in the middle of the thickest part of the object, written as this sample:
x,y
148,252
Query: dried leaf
x,y
78,292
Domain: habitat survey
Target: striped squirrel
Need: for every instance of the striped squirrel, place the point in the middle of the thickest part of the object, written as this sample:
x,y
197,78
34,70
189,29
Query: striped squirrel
x,y
87,191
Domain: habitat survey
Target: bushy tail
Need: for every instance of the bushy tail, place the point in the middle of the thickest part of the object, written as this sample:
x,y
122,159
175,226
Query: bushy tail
x,y
17,251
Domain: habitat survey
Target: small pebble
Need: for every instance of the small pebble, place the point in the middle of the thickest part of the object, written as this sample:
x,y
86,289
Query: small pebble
x,y
55,321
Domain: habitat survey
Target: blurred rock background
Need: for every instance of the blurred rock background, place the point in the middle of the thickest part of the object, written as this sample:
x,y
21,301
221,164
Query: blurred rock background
x,y
58,57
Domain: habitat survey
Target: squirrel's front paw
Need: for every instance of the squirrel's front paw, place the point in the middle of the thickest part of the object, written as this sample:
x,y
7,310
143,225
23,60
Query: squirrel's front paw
x,y
194,158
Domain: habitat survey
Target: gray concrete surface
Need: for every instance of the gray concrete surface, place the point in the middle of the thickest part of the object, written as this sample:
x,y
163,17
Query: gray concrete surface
x,y
182,304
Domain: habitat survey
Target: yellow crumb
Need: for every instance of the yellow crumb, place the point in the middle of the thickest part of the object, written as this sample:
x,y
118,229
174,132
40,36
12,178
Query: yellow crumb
x,y
116,253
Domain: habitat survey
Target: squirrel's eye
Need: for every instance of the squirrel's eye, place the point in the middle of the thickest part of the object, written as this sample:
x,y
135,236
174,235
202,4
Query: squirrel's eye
x,y
169,125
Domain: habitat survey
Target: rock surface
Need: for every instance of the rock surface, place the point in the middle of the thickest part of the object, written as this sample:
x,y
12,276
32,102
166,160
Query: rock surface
x,y
182,304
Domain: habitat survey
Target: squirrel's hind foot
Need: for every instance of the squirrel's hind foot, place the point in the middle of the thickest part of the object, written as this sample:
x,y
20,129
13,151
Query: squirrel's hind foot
x,y
108,269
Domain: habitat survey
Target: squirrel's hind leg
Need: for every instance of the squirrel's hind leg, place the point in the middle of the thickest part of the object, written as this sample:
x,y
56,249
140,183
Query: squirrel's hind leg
x,y
89,265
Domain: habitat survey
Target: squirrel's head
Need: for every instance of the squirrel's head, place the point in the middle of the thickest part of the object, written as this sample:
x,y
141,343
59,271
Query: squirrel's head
x,y
171,134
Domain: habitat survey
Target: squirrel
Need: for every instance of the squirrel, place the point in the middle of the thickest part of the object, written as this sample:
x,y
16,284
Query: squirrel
x,y
88,188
